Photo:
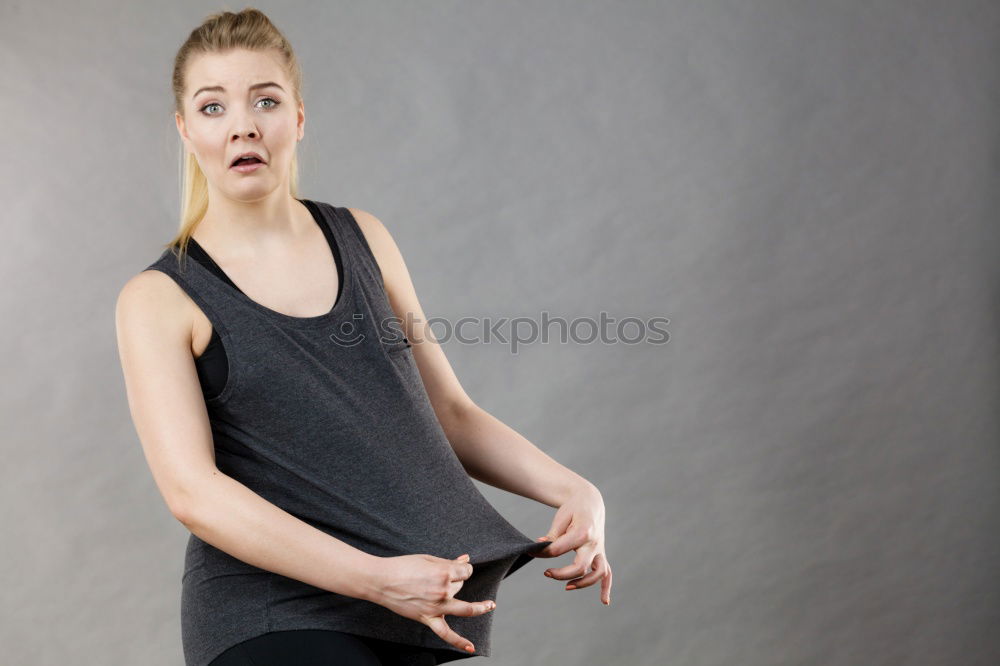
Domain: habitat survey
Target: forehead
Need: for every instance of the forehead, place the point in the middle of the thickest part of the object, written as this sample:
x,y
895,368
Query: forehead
x,y
234,70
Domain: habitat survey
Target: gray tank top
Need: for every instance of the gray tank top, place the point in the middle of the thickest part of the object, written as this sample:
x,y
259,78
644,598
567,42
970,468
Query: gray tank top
x,y
327,418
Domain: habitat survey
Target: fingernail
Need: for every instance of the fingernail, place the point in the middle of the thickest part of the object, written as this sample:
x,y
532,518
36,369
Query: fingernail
x,y
548,574
571,587
469,648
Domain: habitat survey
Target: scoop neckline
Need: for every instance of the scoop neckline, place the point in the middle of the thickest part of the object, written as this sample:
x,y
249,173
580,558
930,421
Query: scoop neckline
x,y
345,265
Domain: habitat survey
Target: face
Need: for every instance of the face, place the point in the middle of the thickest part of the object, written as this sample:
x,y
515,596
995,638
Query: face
x,y
234,117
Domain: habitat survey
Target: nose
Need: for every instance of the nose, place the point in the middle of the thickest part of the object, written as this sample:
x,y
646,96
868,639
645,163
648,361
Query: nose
x,y
244,126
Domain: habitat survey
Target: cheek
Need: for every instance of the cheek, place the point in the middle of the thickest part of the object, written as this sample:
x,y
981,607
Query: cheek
x,y
205,143
281,139
283,132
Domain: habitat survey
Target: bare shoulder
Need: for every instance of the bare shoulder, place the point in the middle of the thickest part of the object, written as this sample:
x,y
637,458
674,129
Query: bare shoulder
x,y
382,244
375,232
152,301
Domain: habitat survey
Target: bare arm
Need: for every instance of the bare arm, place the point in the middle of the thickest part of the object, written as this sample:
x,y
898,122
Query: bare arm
x,y
155,321
237,520
496,454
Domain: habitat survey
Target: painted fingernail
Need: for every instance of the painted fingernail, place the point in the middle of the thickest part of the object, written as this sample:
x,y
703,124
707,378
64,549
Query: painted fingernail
x,y
548,574
571,587
469,648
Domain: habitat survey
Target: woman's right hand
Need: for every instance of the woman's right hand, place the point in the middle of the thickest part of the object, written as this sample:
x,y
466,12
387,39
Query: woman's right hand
x,y
422,587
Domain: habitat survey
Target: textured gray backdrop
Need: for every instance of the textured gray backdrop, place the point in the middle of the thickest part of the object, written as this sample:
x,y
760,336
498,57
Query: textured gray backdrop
x,y
807,473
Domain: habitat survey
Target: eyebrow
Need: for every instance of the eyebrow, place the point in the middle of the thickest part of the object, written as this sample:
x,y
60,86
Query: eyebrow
x,y
221,89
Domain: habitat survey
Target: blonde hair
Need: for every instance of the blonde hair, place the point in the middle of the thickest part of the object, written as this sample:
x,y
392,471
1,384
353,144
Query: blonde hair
x,y
220,32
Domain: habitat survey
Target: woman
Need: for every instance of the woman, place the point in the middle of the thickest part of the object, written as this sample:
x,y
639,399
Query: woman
x,y
320,459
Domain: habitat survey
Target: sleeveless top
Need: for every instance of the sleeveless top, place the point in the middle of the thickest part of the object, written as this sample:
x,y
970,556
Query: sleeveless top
x,y
212,364
327,418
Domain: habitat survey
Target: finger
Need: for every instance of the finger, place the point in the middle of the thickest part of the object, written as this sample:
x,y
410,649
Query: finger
x,y
454,587
467,608
559,526
557,546
576,569
461,571
448,635
596,574
543,552
568,572
601,572
573,539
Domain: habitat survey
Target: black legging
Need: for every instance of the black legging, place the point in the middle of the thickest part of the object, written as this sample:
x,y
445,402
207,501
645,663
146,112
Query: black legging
x,y
325,647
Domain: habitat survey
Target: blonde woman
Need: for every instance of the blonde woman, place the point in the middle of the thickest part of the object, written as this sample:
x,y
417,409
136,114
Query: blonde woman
x,y
318,450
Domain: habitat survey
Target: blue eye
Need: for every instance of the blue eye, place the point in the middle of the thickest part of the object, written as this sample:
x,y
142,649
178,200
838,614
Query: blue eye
x,y
263,99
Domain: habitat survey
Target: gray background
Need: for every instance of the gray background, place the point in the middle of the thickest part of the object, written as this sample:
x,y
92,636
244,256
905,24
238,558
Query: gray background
x,y
805,474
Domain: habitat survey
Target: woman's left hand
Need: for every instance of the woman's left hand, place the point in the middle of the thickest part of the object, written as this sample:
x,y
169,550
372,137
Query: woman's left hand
x,y
579,525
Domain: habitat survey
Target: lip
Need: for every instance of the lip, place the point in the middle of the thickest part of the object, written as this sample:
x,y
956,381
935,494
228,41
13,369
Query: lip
x,y
248,153
248,168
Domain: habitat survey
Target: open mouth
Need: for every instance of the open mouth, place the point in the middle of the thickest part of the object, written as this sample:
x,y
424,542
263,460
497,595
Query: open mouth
x,y
246,160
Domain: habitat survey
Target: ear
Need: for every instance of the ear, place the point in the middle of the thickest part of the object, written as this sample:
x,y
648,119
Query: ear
x,y
301,122
182,130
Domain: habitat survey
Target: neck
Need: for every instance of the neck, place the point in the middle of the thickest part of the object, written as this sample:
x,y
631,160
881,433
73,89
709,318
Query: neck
x,y
242,228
